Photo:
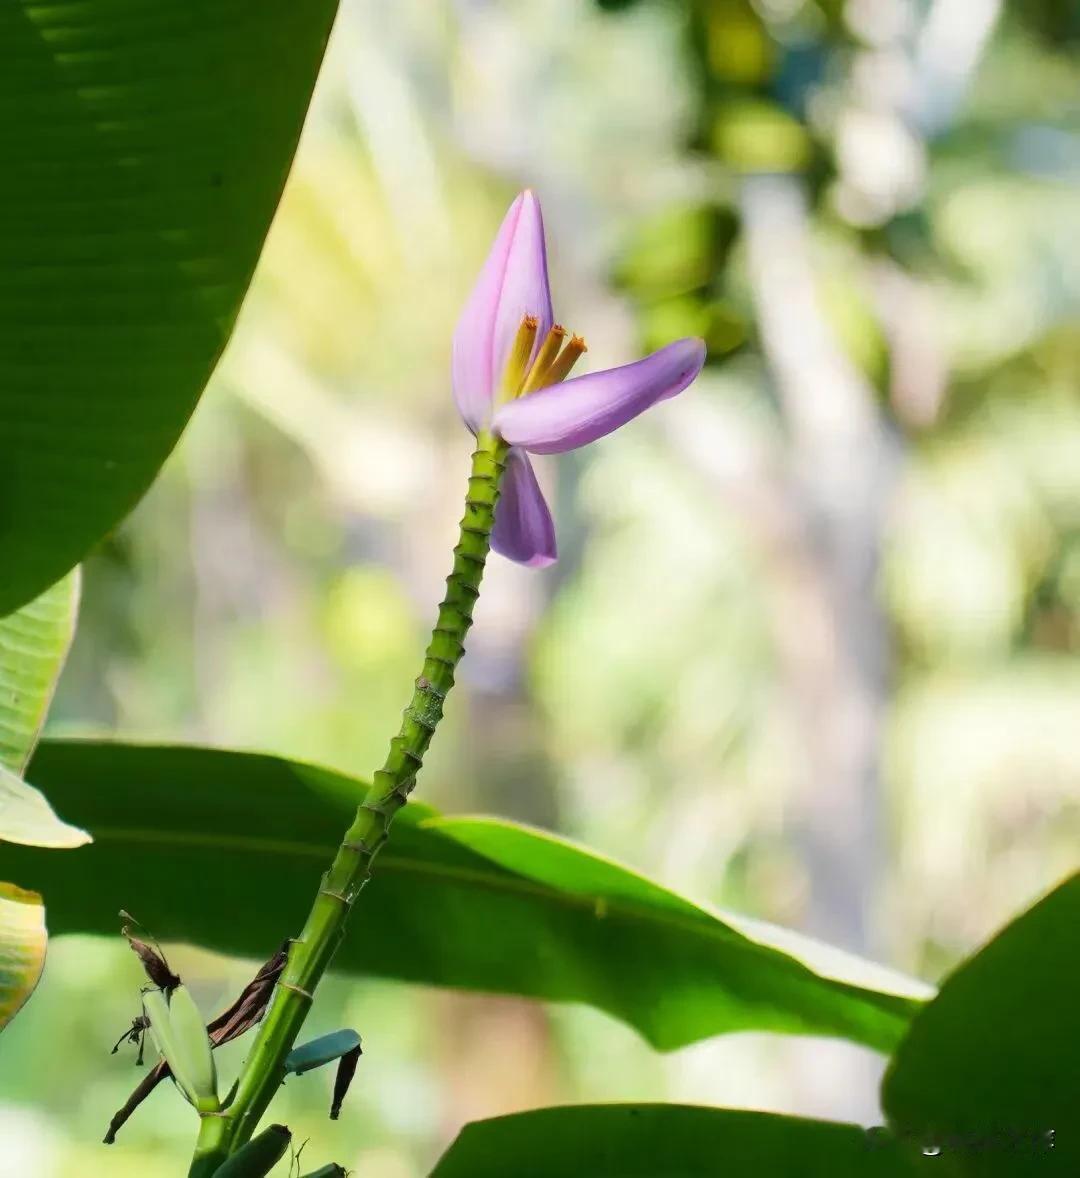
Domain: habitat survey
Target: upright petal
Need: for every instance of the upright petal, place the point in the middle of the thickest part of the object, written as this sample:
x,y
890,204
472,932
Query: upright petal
x,y
513,283
525,288
576,412
523,530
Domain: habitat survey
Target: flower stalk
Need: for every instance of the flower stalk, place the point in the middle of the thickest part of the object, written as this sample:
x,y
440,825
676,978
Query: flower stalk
x,y
510,366
311,953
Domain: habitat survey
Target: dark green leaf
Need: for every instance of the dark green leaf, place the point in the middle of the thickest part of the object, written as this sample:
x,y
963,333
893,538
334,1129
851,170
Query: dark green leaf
x,y
144,150
988,1072
668,1141
226,850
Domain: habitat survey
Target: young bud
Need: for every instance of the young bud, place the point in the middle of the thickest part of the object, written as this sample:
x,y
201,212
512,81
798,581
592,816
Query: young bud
x,y
180,1035
259,1156
194,1043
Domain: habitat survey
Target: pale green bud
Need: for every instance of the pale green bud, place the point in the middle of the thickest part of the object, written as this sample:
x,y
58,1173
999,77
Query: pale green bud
x,y
180,1034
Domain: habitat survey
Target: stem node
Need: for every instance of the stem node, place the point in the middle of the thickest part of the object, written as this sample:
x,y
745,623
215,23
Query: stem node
x,y
310,955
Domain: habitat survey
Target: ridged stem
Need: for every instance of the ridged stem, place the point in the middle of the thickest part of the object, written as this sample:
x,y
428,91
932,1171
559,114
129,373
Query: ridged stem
x,y
313,951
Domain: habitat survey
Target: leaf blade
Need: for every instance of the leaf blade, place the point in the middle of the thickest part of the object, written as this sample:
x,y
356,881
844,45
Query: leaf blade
x,y
34,642
994,1054
180,829
676,1141
140,177
27,818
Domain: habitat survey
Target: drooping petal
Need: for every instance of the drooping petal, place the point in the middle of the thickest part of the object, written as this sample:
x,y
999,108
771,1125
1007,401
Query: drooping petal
x,y
513,283
524,531
576,412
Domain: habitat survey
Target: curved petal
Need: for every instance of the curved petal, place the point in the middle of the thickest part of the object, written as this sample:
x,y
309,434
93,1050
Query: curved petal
x,y
523,530
576,412
513,283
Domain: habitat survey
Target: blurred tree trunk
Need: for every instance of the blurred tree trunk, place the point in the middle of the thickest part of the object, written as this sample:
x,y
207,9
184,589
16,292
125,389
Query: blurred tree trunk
x,y
833,637
832,632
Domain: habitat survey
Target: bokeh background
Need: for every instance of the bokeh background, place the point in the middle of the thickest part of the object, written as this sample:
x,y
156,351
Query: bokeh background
x,y
810,650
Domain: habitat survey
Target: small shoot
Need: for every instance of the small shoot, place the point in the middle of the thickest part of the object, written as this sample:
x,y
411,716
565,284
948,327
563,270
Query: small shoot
x,y
259,1156
330,1170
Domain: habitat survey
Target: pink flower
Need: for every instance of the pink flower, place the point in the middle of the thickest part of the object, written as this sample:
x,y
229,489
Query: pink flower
x,y
510,361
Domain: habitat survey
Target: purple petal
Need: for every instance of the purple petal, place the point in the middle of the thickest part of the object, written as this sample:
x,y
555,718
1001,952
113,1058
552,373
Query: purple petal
x,y
513,283
576,412
525,288
523,528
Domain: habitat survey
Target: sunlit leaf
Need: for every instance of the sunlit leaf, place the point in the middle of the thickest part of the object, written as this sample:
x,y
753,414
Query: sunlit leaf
x,y
225,850
26,817
22,947
987,1075
144,148
668,1141
34,642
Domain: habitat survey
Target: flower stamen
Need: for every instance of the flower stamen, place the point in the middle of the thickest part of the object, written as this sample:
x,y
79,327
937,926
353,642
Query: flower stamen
x,y
549,349
517,363
560,367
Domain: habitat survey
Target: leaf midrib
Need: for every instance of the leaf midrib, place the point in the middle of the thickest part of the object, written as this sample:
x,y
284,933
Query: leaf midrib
x,y
706,928
511,882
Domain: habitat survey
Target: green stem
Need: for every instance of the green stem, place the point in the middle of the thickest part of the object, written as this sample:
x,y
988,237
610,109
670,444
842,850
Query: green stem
x,y
312,952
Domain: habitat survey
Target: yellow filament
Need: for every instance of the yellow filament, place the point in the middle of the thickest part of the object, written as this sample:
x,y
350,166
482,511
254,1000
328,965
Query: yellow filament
x,y
549,349
566,359
518,361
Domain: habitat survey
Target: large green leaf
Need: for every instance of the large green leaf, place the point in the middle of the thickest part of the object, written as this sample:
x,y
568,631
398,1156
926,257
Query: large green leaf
x,y
144,148
989,1073
22,948
225,850
669,1141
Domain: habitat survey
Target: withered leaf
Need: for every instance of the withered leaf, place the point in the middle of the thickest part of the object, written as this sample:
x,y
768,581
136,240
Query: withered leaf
x,y
346,1069
153,961
241,1016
